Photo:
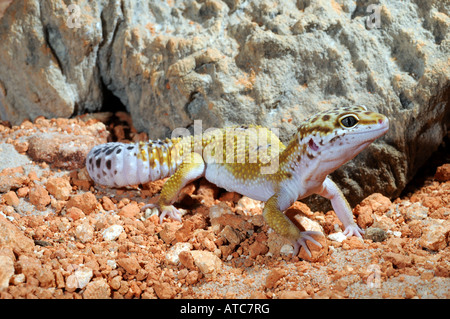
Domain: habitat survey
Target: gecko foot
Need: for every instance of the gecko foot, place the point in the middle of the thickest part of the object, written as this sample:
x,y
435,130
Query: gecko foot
x,y
169,211
304,237
353,230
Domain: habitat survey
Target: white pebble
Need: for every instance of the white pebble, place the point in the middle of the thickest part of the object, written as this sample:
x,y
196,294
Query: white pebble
x,y
287,249
111,263
18,279
79,279
84,233
149,212
112,233
172,256
340,237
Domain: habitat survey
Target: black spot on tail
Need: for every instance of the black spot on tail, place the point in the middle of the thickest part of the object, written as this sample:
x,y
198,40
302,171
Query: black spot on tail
x,y
111,150
108,164
98,162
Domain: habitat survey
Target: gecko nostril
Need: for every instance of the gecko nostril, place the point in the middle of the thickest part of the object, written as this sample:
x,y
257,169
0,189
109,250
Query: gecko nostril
x,y
380,121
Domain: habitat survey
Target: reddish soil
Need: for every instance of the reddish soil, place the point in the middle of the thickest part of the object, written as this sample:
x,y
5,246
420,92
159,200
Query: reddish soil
x,y
63,237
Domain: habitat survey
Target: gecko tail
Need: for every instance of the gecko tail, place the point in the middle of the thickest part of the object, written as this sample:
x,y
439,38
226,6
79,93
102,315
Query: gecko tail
x,y
118,164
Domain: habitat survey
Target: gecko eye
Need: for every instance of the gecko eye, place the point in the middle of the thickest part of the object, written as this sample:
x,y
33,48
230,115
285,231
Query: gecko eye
x,y
349,121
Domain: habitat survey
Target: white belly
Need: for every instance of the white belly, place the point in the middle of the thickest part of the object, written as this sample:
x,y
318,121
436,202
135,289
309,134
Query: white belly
x,y
259,189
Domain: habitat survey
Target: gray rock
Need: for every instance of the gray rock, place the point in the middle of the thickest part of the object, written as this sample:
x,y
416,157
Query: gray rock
x,y
47,68
375,234
416,211
10,158
225,62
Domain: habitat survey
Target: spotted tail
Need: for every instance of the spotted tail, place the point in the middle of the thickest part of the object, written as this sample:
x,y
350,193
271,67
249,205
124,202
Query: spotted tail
x,y
118,164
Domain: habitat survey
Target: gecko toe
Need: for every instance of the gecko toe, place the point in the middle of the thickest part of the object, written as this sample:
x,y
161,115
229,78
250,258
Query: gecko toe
x,y
171,212
305,237
353,230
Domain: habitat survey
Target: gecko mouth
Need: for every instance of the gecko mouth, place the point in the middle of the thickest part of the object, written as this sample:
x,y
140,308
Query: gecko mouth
x,y
382,130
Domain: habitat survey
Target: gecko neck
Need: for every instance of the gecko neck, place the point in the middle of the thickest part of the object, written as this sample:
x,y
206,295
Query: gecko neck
x,y
300,160
294,155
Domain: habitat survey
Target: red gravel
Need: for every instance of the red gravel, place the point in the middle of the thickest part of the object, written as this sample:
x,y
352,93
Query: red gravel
x,y
61,237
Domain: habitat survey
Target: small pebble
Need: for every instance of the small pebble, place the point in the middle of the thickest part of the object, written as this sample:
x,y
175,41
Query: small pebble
x,y
112,233
340,237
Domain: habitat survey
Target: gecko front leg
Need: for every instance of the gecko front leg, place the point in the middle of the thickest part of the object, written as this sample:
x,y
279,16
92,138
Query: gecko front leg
x,y
341,207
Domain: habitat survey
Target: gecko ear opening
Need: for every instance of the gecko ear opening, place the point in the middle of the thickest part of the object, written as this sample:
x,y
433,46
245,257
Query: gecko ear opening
x,y
313,145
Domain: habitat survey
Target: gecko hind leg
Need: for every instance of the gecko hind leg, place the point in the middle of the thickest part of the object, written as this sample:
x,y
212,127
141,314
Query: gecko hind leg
x,y
286,228
191,168
166,211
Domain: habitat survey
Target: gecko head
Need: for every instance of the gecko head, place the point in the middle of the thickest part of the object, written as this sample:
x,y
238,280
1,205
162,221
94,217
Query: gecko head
x,y
336,136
